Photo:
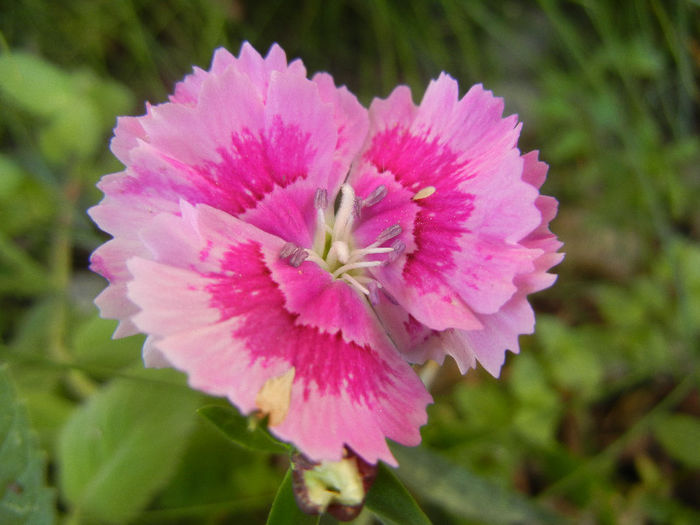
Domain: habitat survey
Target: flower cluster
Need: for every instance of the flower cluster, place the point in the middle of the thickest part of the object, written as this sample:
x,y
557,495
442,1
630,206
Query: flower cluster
x,y
293,251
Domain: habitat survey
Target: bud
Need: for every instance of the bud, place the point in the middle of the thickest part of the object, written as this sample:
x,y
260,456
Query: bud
x,y
336,487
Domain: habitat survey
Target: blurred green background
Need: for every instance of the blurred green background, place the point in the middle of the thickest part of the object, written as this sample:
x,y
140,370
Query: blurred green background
x,y
598,419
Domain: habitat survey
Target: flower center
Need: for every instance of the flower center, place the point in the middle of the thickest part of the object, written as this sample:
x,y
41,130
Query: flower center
x,y
333,247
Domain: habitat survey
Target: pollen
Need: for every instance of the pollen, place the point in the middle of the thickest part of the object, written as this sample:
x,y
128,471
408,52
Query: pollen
x,y
425,192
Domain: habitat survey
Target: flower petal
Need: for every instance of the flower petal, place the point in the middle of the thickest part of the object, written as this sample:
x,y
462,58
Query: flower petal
x,y
232,137
212,300
352,123
458,158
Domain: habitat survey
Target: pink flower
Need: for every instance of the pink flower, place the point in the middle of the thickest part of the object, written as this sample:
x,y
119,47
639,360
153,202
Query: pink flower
x,y
229,253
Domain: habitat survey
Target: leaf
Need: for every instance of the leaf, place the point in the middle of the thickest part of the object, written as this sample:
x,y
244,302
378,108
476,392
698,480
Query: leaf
x,y
24,497
285,510
93,346
237,428
462,493
72,131
679,434
391,502
77,106
34,84
122,446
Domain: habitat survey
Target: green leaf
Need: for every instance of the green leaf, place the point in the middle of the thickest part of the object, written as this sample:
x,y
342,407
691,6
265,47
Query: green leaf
x,y
24,497
10,177
679,434
77,106
237,428
391,502
93,346
122,446
73,131
285,510
462,493
34,84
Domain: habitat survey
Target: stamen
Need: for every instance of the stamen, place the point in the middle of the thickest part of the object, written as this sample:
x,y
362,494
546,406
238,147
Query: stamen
x,y
353,266
398,248
377,195
389,233
313,256
321,199
349,278
321,230
298,257
357,207
287,250
373,294
344,217
342,251
340,259
370,250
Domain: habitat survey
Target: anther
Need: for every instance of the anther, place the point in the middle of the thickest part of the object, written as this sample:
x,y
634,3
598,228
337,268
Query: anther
x,y
373,289
298,257
398,248
321,199
287,250
377,195
389,233
357,207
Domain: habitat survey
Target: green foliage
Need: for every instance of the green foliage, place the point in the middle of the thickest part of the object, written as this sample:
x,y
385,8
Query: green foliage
x,y
285,510
392,503
25,498
680,434
462,493
243,431
598,414
93,347
74,107
122,446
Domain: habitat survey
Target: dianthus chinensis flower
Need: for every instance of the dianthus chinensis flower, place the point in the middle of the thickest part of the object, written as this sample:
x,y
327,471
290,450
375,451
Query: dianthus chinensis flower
x,y
292,251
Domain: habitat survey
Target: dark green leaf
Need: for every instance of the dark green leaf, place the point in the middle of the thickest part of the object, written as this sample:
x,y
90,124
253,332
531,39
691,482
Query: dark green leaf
x,y
285,510
237,428
462,493
24,497
123,445
680,436
391,502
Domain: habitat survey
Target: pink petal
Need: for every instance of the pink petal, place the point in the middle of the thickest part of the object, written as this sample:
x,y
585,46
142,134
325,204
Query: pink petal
x,y
232,137
396,208
462,153
152,357
187,90
127,135
226,310
500,332
109,260
352,123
